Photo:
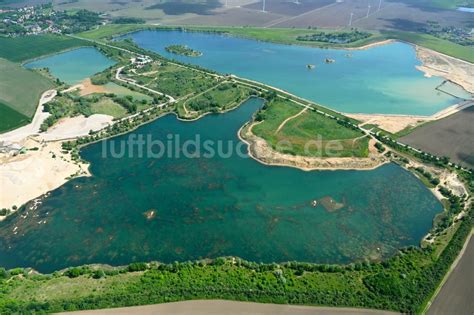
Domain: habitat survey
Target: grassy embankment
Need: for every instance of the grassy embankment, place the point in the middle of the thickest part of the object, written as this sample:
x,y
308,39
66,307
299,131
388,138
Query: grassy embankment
x,y
290,35
21,91
296,132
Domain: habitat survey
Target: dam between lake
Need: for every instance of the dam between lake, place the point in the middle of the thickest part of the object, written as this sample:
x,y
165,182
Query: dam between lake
x,y
177,209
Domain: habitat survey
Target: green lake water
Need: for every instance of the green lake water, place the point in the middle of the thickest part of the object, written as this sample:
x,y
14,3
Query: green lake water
x,y
75,65
382,79
210,207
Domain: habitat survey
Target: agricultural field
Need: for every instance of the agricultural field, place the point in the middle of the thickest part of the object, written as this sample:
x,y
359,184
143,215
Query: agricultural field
x,y
289,8
451,299
21,49
287,127
21,90
21,3
11,119
451,136
109,30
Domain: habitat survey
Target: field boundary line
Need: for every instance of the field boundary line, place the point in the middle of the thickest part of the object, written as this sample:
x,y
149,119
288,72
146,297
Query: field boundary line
x,y
290,18
446,276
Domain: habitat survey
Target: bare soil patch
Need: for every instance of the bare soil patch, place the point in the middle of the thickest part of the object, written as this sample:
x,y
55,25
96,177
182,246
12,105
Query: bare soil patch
x,y
451,136
232,16
289,8
452,69
390,123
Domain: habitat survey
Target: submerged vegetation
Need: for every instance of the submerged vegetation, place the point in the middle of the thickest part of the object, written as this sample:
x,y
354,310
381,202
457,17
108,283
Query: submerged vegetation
x,y
403,283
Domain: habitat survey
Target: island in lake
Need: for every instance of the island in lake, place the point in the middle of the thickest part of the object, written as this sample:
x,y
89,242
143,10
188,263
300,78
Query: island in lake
x,y
183,50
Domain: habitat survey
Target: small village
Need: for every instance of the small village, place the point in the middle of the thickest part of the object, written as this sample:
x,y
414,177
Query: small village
x,y
43,19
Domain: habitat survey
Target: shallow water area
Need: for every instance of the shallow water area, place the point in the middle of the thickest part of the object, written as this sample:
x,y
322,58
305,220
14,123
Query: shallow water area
x,y
176,209
75,65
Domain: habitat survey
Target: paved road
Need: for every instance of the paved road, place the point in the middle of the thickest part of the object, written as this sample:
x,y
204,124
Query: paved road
x,y
457,294
219,307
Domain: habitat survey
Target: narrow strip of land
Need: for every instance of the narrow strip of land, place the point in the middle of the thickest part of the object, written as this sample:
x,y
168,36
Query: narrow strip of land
x,y
218,307
455,296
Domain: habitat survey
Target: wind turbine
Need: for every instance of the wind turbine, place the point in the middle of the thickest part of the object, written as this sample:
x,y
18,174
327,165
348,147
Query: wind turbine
x,y
263,9
368,11
350,19
380,5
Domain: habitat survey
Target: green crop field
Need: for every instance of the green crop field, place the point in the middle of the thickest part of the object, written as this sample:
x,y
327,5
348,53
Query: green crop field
x,y
10,119
308,127
21,88
20,49
109,30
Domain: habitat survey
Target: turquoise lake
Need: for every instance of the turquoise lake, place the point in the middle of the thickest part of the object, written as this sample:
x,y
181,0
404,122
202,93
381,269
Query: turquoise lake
x,y
219,206
382,79
75,65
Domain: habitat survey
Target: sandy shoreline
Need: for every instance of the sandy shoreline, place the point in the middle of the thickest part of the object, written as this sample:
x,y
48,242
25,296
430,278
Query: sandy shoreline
x,y
396,123
42,166
27,176
86,87
390,123
372,45
455,70
260,150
